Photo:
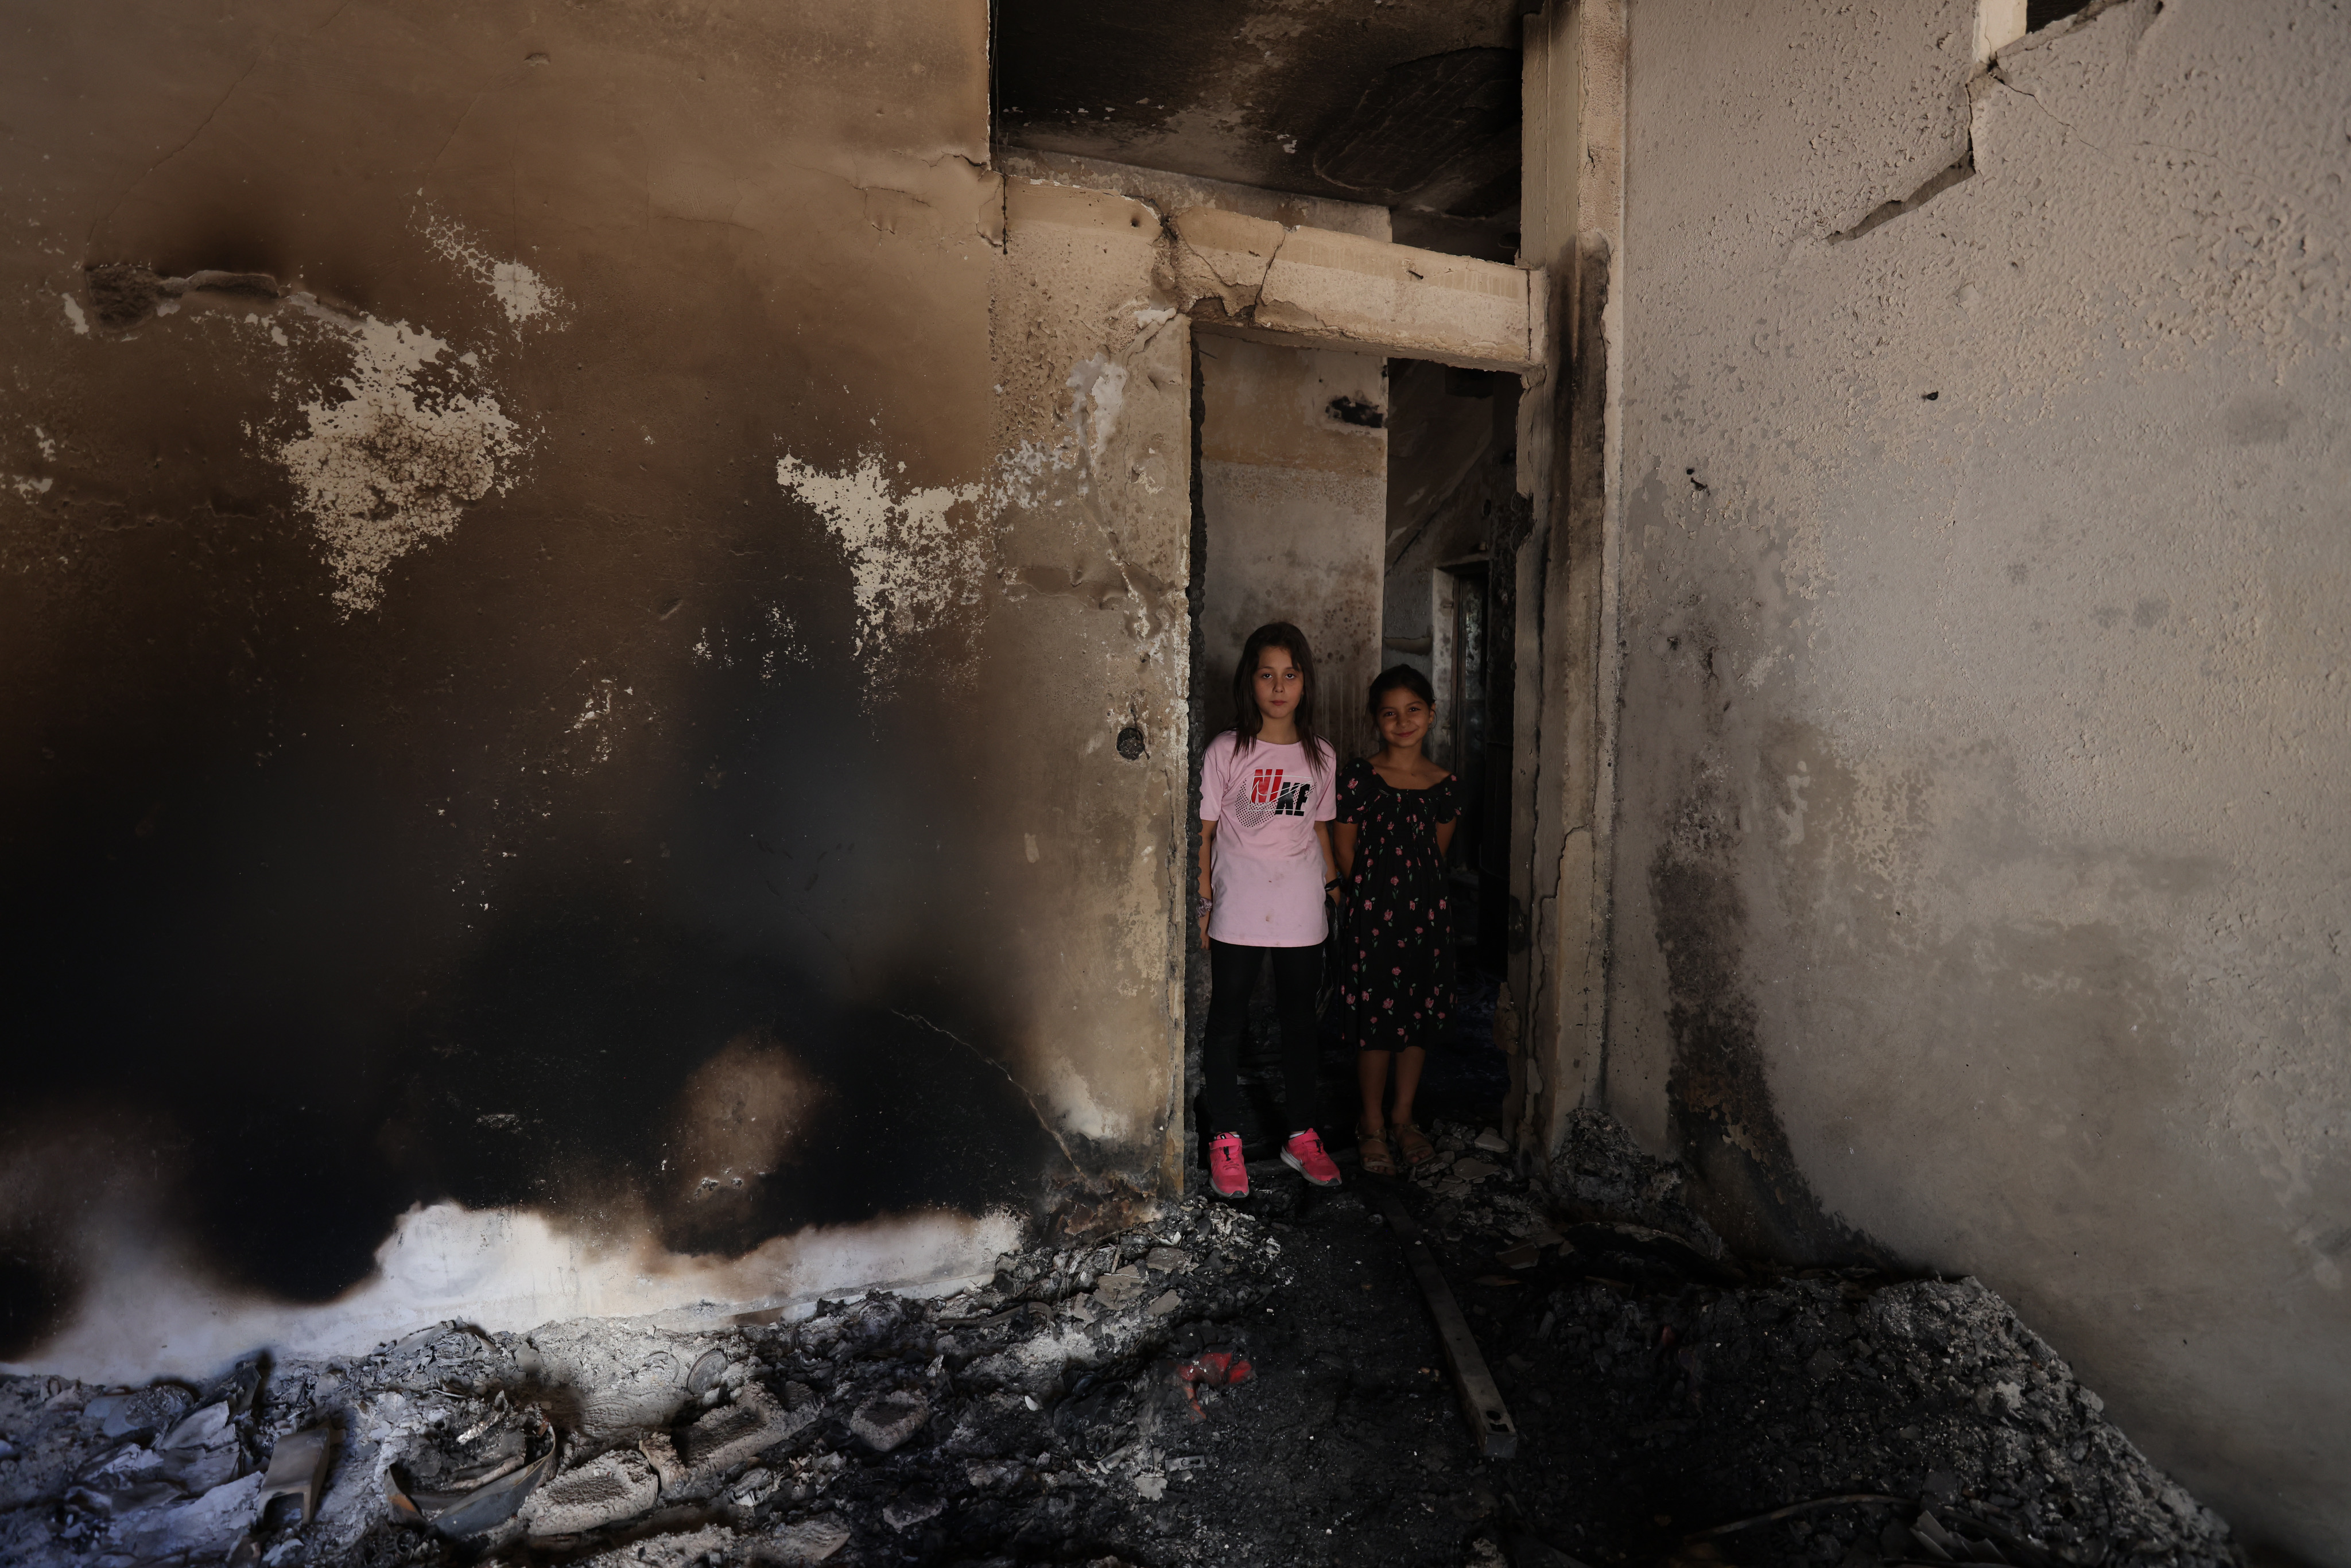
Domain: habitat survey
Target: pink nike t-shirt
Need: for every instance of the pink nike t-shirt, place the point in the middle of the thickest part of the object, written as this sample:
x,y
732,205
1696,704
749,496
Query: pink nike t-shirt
x,y
1268,875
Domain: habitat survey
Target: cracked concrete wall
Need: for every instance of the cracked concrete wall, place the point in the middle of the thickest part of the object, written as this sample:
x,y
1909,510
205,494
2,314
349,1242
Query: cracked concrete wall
x,y
1981,884
564,757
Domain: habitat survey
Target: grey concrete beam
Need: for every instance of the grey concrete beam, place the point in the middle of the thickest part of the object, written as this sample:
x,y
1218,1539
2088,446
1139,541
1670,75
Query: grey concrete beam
x,y
1314,288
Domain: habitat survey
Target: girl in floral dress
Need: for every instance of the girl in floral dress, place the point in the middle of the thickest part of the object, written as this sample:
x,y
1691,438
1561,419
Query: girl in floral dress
x,y
1397,814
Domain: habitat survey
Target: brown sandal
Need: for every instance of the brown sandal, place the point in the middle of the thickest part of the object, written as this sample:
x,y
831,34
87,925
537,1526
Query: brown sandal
x,y
1372,1145
1417,1149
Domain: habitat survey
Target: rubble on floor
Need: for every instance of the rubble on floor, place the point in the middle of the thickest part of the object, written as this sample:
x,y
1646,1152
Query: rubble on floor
x,y
878,1429
1721,1390
1224,1385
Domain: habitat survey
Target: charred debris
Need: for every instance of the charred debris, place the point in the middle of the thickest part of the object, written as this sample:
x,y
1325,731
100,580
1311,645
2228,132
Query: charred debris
x,y
1221,1386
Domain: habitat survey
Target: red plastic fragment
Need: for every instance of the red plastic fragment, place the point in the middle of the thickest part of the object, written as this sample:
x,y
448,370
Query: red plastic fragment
x,y
1211,1369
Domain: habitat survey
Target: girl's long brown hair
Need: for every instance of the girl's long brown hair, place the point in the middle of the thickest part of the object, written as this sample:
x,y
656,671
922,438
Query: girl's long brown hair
x,y
1247,720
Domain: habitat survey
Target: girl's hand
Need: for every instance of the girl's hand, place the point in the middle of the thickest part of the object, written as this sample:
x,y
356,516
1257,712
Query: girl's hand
x,y
1204,933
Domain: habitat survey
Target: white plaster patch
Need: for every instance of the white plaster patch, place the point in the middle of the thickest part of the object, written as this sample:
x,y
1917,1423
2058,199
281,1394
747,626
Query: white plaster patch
x,y
519,290
28,488
150,1313
73,315
912,562
1100,388
522,292
396,459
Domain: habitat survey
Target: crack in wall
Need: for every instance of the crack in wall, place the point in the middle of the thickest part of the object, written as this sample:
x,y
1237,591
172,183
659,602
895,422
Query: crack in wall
x,y
1051,1130
1886,212
1964,168
90,240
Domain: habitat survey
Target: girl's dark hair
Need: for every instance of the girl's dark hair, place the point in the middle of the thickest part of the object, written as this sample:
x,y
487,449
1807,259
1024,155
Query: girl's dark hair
x,y
1392,677
1247,720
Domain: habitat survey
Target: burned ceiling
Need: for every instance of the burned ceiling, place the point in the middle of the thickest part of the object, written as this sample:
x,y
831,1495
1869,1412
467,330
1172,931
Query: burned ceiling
x,y
1412,104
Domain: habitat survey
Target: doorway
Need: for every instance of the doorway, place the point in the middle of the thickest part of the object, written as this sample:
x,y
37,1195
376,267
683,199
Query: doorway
x,y
1454,518
1290,509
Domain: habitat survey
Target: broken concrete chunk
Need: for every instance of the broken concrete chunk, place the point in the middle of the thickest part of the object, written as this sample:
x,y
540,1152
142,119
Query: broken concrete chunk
x,y
297,1467
907,1513
733,1433
143,1410
198,1470
988,1474
1167,1260
606,1490
1119,1287
200,1430
203,1529
1475,1170
887,1420
811,1542
1492,1142
1165,1304
1526,1255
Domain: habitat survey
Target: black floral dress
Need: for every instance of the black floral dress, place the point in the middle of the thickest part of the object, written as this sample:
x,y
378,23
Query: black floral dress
x,y
1395,935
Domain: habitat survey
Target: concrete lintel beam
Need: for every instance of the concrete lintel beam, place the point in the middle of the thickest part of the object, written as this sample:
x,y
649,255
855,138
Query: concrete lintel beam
x,y
1314,288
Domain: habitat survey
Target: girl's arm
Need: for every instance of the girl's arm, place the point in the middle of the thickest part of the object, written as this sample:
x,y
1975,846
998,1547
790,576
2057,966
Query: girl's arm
x,y
1208,881
1445,836
1343,848
1330,867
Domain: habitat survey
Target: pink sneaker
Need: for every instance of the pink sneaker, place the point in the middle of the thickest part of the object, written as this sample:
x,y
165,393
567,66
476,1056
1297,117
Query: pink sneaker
x,y
1303,1154
1227,1173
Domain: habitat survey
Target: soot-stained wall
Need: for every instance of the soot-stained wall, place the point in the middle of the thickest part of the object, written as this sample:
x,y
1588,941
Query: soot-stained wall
x,y
1980,888
525,549
1294,488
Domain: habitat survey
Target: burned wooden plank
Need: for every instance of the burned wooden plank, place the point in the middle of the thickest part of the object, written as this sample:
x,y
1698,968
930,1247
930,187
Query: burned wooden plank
x,y
1481,1402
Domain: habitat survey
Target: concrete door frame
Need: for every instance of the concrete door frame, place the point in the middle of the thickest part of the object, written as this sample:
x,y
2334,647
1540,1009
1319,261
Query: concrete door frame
x,y
1553,1022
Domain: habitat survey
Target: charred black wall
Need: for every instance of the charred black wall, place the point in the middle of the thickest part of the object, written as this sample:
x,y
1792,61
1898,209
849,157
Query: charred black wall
x,y
442,764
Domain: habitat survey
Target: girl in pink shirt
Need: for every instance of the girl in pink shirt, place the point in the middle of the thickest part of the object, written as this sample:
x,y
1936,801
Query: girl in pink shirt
x,y
1266,880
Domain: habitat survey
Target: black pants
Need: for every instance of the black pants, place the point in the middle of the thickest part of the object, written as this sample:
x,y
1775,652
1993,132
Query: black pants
x,y
1232,976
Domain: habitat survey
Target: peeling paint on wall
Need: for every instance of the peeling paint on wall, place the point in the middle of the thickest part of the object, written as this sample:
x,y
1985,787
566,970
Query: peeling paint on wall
x,y
1100,389
393,462
520,291
916,556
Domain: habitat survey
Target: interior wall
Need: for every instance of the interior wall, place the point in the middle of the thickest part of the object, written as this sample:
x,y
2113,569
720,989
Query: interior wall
x,y
1294,489
1980,883
595,726
1451,468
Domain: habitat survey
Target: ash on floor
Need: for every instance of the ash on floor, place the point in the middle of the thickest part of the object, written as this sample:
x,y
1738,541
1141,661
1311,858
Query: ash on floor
x,y
1250,1386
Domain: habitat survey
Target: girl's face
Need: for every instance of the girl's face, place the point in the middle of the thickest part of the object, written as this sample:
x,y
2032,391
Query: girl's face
x,y
1279,684
1403,718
